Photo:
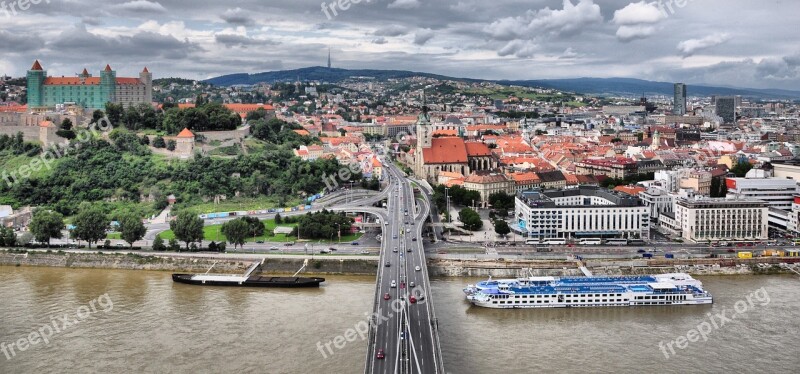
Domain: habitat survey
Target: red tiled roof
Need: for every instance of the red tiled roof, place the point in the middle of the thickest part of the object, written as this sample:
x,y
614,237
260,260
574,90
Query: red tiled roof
x,y
90,81
630,190
477,149
70,81
129,81
302,132
445,151
186,134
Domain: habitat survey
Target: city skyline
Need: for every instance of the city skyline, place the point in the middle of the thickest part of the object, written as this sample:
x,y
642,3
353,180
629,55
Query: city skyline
x,y
692,42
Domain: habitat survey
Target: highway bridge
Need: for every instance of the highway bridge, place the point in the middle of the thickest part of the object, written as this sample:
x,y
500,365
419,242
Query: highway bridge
x,y
404,326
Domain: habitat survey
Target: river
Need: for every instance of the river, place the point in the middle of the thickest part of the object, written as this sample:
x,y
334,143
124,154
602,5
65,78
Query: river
x,y
141,322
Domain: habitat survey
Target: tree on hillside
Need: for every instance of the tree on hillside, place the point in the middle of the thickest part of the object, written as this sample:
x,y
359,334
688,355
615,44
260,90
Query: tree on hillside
x,y
66,124
236,231
45,225
278,219
114,113
188,228
171,145
7,237
158,244
90,225
131,228
159,142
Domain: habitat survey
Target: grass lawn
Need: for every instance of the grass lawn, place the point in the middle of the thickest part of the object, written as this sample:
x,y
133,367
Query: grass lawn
x,y
11,164
212,232
114,235
238,204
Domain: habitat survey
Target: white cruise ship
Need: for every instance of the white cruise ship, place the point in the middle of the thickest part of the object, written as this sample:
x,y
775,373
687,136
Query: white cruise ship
x,y
564,292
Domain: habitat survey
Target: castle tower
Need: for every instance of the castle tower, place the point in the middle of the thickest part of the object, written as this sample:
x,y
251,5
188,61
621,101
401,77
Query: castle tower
x,y
36,76
108,83
147,79
184,143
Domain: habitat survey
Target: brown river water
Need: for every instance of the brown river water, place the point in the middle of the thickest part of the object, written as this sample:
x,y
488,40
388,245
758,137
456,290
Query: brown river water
x,y
118,321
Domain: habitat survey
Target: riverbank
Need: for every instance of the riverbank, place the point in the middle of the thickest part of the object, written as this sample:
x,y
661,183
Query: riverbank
x,y
517,268
367,265
197,263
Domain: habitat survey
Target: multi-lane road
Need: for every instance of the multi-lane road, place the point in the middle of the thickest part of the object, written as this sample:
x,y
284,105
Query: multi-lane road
x,y
405,331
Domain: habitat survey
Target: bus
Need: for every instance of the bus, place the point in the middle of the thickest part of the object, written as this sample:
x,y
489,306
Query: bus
x,y
590,241
554,241
617,241
532,241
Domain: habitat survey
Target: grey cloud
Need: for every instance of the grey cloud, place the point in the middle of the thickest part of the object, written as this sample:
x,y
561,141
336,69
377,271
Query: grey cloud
x,y
235,40
237,16
393,30
423,36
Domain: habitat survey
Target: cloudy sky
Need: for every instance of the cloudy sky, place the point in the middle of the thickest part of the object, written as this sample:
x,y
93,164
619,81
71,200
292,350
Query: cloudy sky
x,y
741,43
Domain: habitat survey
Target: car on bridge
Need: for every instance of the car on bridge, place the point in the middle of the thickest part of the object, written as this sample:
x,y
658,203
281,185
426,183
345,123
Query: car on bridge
x,y
388,264
414,239
411,284
380,355
386,296
412,299
394,250
417,268
393,285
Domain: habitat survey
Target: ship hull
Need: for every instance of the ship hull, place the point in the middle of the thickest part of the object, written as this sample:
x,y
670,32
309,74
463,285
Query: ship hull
x,y
280,282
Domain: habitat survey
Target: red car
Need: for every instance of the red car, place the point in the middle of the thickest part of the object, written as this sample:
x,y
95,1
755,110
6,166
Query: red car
x,y
402,284
386,296
380,354
412,299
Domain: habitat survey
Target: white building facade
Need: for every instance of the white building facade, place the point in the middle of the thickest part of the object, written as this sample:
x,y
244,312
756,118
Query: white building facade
x,y
714,219
777,192
585,212
659,200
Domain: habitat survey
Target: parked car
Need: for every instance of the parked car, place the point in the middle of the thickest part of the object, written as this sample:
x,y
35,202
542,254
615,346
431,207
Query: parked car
x,y
273,248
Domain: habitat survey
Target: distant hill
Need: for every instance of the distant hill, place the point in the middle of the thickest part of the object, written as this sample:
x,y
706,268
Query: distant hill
x,y
637,87
317,73
594,86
